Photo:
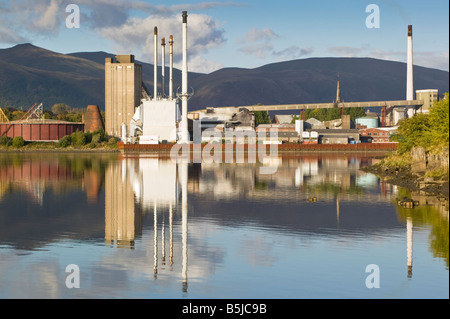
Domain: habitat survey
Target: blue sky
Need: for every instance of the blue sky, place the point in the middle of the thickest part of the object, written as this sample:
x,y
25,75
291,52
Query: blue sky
x,y
235,33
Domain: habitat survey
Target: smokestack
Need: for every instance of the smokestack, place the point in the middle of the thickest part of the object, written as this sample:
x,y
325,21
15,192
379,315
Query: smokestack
x,y
171,67
163,66
184,89
155,65
409,70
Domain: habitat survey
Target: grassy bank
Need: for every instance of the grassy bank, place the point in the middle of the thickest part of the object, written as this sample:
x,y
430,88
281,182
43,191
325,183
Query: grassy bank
x,y
78,141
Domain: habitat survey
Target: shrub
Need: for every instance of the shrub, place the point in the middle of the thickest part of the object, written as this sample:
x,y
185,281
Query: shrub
x,y
112,141
5,140
88,136
65,141
78,138
100,135
18,142
96,138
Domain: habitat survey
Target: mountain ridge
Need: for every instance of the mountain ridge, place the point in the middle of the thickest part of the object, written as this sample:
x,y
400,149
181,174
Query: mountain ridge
x,y
30,74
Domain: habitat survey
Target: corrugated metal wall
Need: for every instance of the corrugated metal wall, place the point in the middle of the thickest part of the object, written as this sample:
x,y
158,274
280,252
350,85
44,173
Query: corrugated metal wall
x,y
40,131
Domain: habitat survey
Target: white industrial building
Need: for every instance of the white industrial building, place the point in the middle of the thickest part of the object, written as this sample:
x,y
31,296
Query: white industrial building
x,y
158,119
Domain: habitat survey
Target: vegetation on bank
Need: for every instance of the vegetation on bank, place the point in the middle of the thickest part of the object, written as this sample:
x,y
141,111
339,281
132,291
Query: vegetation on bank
x,y
76,141
427,131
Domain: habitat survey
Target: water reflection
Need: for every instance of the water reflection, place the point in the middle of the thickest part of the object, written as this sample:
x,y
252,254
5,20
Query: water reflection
x,y
119,200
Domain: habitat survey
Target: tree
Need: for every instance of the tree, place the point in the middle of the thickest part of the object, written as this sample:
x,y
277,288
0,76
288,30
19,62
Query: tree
x,y
262,117
439,118
60,108
18,142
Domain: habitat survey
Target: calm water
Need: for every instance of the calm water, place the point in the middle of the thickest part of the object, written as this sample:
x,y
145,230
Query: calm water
x,y
143,227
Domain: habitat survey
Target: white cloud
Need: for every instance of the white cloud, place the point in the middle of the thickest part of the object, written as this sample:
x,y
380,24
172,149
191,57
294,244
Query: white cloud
x,y
137,37
293,52
258,43
113,20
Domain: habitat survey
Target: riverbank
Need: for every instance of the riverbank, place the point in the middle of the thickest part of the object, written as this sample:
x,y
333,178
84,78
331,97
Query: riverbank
x,y
53,147
402,171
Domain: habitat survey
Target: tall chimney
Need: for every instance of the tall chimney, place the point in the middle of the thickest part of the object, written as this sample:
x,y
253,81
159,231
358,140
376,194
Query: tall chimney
x,y
155,65
184,86
163,66
409,70
171,67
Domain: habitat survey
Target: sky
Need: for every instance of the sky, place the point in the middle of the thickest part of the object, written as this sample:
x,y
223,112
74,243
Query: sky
x,y
245,34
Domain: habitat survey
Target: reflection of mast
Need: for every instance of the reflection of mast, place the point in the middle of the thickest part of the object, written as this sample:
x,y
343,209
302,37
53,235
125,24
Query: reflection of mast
x,y
409,235
184,177
338,207
163,241
171,235
155,241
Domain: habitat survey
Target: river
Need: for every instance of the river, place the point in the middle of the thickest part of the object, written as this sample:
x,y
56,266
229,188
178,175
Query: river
x,y
115,226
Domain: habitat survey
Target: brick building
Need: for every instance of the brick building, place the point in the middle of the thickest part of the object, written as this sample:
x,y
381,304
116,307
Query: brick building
x,y
375,135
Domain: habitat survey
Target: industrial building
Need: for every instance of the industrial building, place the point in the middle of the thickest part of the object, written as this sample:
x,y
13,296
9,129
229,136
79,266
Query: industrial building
x,y
371,120
136,117
141,118
376,135
39,129
428,97
93,119
123,92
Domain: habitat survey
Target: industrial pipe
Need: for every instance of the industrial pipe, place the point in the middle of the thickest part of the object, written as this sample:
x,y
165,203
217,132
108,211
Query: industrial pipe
x,y
409,71
171,67
184,93
163,66
155,65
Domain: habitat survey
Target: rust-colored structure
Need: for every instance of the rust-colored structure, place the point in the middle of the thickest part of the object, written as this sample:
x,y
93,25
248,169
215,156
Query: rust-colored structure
x,y
93,119
39,130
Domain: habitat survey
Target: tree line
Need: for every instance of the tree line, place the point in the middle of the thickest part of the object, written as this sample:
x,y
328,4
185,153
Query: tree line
x,y
59,111
430,131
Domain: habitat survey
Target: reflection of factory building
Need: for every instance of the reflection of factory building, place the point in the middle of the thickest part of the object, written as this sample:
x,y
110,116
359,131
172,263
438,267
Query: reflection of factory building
x,y
138,186
121,221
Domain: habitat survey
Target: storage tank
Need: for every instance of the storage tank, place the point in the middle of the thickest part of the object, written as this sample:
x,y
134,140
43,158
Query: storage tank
x,y
369,121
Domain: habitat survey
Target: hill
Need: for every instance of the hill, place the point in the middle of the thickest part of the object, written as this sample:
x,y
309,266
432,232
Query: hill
x,y
30,74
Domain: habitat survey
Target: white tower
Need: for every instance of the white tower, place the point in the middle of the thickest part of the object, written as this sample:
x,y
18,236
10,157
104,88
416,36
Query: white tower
x,y
155,65
184,88
409,71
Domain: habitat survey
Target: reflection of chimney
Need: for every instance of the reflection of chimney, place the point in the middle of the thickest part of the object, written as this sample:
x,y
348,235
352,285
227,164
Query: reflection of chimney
x,y
171,68
409,70
409,245
155,62
184,89
163,65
